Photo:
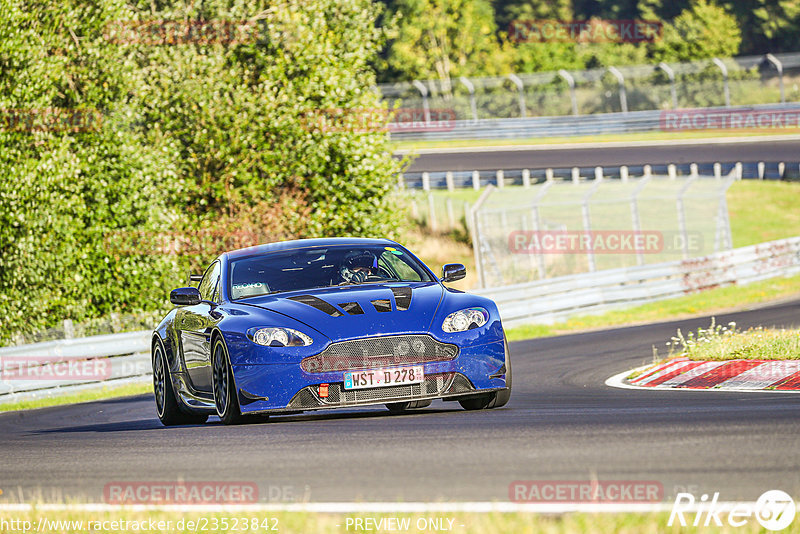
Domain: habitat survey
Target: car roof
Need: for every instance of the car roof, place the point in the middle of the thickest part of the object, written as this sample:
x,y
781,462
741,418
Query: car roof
x,y
304,243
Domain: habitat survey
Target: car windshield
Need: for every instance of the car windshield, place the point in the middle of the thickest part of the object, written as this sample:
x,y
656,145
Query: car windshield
x,y
317,267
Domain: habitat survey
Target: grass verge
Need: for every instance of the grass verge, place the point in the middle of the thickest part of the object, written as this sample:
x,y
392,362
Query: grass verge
x,y
646,136
721,343
709,302
108,392
126,520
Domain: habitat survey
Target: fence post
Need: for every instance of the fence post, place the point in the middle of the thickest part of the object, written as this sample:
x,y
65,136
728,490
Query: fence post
x,y
761,167
526,178
471,88
738,169
451,215
548,174
778,65
693,169
414,210
718,170
521,89
782,170
424,92
449,180
718,62
401,183
682,216
623,173
500,178
587,225
623,97
475,232
647,171
671,75
672,171
476,180
432,213
635,220
69,329
571,82
426,182
576,175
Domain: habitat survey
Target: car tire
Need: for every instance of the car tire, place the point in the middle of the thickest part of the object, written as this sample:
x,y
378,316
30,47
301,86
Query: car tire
x,y
167,408
403,407
225,399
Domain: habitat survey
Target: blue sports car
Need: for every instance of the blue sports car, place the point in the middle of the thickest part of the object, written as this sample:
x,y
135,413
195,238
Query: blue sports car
x,y
289,327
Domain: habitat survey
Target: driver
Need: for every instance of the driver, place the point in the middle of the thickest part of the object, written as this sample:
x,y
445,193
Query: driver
x,y
358,266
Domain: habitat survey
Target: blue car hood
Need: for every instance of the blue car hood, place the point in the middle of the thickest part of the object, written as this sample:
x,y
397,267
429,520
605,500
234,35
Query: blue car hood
x,y
331,311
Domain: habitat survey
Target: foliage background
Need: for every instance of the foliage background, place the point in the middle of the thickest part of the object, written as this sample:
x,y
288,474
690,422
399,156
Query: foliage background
x,y
202,146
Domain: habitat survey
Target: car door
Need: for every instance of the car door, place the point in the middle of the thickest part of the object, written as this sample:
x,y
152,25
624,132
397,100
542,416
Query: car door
x,y
194,324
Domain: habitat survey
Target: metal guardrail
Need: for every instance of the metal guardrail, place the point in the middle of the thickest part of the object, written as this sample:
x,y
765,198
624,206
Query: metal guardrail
x,y
126,358
564,126
477,179
555,299
66,365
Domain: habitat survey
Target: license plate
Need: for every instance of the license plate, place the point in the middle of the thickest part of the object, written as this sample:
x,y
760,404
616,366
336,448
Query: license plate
x,y
374,378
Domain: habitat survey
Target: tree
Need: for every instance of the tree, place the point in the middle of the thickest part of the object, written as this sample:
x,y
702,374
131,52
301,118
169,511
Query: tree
x,y
446,39
704,30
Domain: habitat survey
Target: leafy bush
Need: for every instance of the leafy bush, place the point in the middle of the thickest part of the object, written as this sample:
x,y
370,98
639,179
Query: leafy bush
x,y
199,138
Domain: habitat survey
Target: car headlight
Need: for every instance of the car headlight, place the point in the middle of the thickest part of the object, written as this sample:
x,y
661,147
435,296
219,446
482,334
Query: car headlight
x,y
465,320
278,337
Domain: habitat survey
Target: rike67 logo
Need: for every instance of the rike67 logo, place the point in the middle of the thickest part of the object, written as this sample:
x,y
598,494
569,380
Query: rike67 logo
x,y
774,510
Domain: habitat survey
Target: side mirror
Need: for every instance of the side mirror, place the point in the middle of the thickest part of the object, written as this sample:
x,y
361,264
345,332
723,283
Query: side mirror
x,y
453,271
185,296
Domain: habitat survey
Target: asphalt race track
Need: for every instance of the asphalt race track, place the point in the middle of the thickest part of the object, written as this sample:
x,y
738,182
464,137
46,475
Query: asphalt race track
x,y
562,423
522,158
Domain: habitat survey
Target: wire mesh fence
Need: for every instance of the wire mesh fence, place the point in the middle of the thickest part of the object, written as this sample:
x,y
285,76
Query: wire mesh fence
x,y
741,81
559,228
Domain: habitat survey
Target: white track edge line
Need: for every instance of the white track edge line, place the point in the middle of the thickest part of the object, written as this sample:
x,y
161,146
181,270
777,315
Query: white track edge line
x,y
378,507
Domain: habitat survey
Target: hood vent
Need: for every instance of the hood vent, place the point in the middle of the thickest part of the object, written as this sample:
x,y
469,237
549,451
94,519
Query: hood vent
x,y
382,305
353,308
402,297
319,304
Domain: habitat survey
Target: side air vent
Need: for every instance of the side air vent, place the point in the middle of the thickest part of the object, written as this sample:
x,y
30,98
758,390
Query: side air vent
x,y
353,308
319,304
382,305
402,297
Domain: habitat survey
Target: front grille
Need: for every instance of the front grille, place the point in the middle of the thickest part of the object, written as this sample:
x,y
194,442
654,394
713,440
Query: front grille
x,y
433,386
377,352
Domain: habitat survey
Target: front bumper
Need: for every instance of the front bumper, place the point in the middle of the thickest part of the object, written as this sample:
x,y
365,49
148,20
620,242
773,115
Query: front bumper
x,y
288,388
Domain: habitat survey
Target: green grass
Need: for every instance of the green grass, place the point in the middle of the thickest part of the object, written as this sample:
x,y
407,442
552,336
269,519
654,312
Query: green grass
x,y
763,211
304,522
705,303
726,342
647,136
108,392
